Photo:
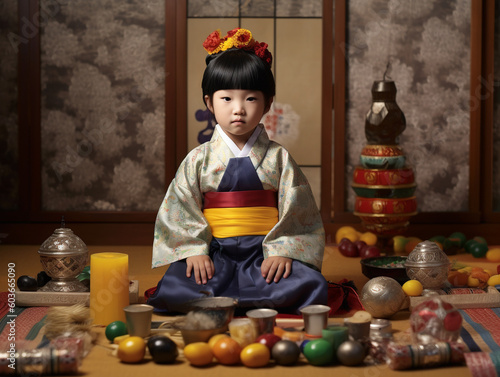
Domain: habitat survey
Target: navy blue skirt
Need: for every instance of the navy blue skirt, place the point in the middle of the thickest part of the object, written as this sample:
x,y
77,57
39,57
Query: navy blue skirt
x,y
237,262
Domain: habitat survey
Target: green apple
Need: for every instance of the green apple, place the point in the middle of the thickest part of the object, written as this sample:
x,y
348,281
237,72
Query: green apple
x,y
399,243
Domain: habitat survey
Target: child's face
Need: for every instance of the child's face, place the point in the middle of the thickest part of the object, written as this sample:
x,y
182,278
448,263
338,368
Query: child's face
x,y
238,112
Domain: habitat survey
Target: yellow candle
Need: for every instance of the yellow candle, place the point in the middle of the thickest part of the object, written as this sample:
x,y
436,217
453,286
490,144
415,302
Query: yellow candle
x,y
109,287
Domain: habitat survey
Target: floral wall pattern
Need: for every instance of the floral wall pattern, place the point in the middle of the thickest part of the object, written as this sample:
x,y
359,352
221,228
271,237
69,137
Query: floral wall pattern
x,y
9,154
102,69
427,43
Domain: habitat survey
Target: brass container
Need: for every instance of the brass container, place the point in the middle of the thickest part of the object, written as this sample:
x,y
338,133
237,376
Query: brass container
x,y
63,256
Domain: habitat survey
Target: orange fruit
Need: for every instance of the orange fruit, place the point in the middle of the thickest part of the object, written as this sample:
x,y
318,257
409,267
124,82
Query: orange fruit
x,y
227,351
458,279
410,245
214,339
198,353
255,355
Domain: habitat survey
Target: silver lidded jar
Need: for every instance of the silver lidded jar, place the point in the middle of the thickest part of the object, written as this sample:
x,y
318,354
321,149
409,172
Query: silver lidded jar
x,y
63,256
428,264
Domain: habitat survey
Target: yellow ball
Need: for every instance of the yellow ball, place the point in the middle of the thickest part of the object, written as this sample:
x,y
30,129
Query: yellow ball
x,y
413,288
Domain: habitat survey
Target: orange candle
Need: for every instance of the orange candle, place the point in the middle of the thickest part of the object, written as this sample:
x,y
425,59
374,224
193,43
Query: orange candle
x,y
109,287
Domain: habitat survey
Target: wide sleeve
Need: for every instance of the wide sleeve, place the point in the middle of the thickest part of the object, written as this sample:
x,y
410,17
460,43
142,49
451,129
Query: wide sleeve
x,y
299,233
181,229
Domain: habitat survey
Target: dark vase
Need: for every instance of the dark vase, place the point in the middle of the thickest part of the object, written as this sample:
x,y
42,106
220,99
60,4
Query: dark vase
x,y
385,121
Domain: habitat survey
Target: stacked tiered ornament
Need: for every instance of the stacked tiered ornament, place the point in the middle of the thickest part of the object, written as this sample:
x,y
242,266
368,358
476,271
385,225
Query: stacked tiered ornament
x,y
384,184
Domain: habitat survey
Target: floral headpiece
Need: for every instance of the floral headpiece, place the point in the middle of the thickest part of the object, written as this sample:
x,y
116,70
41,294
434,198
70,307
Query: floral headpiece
x,y
237,38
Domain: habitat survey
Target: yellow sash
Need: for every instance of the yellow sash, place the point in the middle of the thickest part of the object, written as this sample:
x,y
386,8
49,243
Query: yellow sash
x,y
241,221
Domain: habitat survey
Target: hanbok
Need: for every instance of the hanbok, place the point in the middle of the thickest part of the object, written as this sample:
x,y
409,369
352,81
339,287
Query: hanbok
x,y
252,213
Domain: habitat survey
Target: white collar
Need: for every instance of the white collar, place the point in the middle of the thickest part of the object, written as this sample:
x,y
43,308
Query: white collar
x,y
232,145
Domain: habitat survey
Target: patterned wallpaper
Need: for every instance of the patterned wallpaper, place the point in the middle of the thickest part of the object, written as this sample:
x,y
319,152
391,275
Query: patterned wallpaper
x,y
102,64
9,177
254,8
103,95
427,45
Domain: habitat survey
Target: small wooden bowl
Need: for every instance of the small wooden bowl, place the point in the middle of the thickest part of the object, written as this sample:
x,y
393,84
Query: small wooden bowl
x,y
389,206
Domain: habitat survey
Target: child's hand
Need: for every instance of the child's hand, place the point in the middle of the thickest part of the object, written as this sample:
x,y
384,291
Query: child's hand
x,y
273,267
202,266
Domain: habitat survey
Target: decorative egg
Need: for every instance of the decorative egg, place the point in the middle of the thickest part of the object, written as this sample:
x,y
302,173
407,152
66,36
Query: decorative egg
x,y
319,352
285,352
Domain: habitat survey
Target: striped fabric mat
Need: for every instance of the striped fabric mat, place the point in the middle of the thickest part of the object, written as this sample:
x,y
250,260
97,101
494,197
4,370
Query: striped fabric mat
x,y
23,324
481,333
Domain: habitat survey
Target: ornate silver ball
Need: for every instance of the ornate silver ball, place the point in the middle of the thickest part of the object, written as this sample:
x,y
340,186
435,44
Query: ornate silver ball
x,y
383,297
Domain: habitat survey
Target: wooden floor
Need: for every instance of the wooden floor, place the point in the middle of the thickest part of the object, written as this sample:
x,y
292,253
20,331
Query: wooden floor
x,y
101,362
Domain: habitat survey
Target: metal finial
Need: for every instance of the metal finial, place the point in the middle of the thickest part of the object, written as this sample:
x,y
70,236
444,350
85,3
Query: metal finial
x,y
387,70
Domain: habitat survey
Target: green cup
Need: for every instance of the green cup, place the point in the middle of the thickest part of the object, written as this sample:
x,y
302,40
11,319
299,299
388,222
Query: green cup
x,y
335,335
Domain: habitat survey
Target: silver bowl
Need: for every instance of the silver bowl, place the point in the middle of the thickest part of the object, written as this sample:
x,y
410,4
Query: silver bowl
x,y
219,309
193,335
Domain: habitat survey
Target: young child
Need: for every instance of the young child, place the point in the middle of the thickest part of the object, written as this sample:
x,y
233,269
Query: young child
x,y
239,219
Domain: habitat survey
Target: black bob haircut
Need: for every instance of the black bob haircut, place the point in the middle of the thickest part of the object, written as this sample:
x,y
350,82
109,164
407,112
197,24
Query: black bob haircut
x,y
237,69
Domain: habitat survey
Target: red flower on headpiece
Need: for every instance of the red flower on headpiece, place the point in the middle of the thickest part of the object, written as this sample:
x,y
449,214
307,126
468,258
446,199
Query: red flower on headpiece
x,y
230,33
212,42
262,52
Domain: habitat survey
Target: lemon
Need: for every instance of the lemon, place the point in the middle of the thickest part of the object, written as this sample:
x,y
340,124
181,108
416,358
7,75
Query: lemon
x,y
493,255
369,238
346,232
473,282
413,288
494,280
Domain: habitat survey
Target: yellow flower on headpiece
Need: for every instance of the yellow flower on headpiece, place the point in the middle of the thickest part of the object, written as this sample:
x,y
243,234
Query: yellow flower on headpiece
x,y
243,39
237,38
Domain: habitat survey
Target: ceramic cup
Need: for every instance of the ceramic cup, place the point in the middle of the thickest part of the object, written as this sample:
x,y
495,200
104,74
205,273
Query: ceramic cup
x,y
263,320
138,318
315,319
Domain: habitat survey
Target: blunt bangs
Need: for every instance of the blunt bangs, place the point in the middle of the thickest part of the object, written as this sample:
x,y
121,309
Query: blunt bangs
x,y
237,69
